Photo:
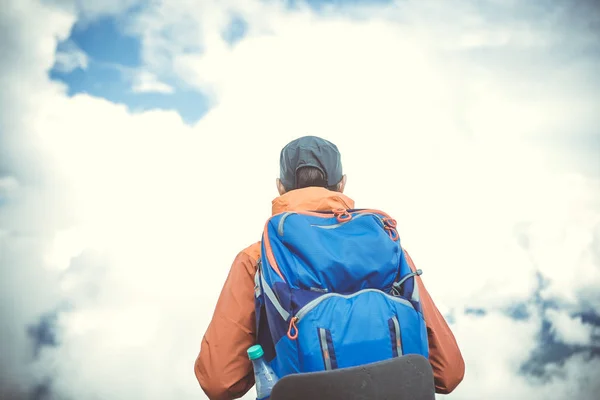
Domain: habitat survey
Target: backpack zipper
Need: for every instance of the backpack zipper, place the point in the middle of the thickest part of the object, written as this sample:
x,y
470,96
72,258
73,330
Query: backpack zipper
x,y
287,214
345,222
325,349
314,303
397,340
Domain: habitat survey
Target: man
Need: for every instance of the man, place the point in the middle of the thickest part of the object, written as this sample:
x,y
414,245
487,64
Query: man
x,y
311,178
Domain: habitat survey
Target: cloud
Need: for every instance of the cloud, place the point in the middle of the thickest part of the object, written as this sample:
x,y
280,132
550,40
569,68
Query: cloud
x,y
572,330
146,82
69,57
124,226
30,212
88,10
8,185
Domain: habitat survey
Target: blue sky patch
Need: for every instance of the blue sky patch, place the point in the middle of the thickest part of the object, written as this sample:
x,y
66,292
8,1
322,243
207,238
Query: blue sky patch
x,y
104,41
113,61
518,311
112,82
236,30
478,312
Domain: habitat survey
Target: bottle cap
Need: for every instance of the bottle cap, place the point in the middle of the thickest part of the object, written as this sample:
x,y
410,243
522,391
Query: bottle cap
x,y
255,352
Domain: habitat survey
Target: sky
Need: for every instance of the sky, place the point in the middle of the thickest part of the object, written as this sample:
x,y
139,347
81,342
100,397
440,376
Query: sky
x,y
139,146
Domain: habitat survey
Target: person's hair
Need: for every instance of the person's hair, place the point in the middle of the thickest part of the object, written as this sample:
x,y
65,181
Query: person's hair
x,y
311,176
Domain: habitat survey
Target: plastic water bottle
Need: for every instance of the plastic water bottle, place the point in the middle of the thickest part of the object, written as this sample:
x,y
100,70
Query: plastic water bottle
x,y
264,376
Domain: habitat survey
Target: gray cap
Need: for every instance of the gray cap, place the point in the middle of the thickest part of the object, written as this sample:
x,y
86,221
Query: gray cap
x,y
310,151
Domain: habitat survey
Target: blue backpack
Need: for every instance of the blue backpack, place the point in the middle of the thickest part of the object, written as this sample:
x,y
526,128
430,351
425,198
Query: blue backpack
x,y
334,290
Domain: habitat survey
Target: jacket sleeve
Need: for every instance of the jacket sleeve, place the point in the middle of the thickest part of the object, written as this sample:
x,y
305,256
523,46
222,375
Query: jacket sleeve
x,y
444,355
222,367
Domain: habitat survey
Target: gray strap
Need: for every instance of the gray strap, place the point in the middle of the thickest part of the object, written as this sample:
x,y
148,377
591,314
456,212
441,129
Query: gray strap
x,y
257,291
415,294
271,296
396,285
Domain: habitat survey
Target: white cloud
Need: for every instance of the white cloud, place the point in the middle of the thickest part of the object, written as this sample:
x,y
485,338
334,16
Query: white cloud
x,y
88,10
429,133
70,58
146,82
31,213
8,185
93,8
571,330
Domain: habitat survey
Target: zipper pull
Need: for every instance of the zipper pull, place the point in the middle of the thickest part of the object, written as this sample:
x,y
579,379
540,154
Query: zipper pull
x,y
342,214
390,226
293,326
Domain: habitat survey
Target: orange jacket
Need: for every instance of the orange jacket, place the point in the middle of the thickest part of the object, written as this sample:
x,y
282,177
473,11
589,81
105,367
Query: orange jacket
x,y
222,366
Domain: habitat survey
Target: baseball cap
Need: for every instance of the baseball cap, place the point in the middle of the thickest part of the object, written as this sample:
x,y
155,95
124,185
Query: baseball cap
x,y
310,151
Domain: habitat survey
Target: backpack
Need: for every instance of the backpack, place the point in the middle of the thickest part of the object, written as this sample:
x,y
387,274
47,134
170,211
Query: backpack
x,y
334,290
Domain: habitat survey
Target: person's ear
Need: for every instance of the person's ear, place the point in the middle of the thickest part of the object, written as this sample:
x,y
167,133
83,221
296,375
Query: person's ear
x,y
342,184
280,187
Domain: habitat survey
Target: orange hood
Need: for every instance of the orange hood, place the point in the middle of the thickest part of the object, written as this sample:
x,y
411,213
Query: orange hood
x,y
311,199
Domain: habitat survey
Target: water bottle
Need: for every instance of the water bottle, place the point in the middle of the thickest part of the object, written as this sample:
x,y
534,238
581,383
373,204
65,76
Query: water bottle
x,y
264,376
